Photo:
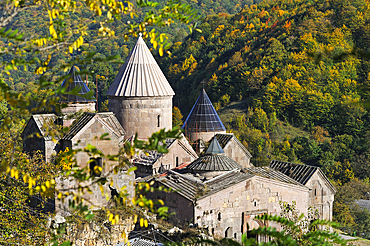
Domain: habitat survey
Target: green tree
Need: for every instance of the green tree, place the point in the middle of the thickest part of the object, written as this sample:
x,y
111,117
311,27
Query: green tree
x,y
177,117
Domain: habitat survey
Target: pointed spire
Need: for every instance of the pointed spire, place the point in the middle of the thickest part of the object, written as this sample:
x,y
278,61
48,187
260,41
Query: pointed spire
x,y
215,147
203,116
74,81
140,75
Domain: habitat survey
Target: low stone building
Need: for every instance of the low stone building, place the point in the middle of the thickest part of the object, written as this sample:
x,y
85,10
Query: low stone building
x,y
152,162
321,190
41,133
216,193
234,149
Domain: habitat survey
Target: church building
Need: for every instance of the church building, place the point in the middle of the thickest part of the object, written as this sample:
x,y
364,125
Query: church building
x,y
215,184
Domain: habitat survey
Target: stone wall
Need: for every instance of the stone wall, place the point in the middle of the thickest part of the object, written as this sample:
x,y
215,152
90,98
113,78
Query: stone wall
x,y
142,115
76,107
92,234
176,156
91,134
235,152
34,141
180,208
321,196
228,212
205,136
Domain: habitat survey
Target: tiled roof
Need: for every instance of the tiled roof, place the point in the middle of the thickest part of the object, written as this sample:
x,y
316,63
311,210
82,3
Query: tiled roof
x,y
225,138
270,173
113,122
214,163
203,116
140,76
140,242
363,204
42,121
193,188
78,124
74,81
225,181
150,157
109,118
185,187
300,173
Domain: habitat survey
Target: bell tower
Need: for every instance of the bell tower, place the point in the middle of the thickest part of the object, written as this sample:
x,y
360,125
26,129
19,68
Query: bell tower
x,y
140,95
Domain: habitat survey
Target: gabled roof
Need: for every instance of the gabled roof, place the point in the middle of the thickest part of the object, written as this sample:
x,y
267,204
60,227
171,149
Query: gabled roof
x,y
214,163
225,181
270,173
71,82
109,119
185,187
299,172
193,189
150,157
43,123
214,147
225,138
140,76
203,116
140,242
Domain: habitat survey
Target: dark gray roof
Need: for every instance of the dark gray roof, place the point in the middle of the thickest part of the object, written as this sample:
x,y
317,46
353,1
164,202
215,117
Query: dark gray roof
x,y
300,173
43,122
72,82
225,181
214,147
225,138
363,204
193,190
213,163
109,118
185,187
150,157
139,242
78,124
203,116
113,122
270,173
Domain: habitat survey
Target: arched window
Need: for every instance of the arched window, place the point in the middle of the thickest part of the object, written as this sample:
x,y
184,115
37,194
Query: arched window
x,y
177,161
219,216
158,121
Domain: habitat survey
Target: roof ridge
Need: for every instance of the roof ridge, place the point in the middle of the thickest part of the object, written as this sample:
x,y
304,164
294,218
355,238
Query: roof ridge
x,y
203,116
140,75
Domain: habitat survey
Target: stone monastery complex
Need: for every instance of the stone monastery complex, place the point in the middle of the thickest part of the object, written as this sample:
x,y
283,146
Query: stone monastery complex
x,y
216,187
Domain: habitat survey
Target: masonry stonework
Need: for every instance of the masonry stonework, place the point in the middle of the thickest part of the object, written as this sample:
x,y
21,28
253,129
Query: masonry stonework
x,y
230,210
142,115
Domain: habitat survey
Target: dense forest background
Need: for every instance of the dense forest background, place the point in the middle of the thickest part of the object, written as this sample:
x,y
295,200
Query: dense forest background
x,y
289,77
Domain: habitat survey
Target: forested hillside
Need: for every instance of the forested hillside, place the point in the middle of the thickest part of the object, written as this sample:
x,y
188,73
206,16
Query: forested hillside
x,y
30,22
294,65
297,71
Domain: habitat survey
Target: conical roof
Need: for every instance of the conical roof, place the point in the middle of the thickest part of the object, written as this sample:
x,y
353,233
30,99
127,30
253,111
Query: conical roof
x,y
140,76
215,147
71,82
203,116
212,162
